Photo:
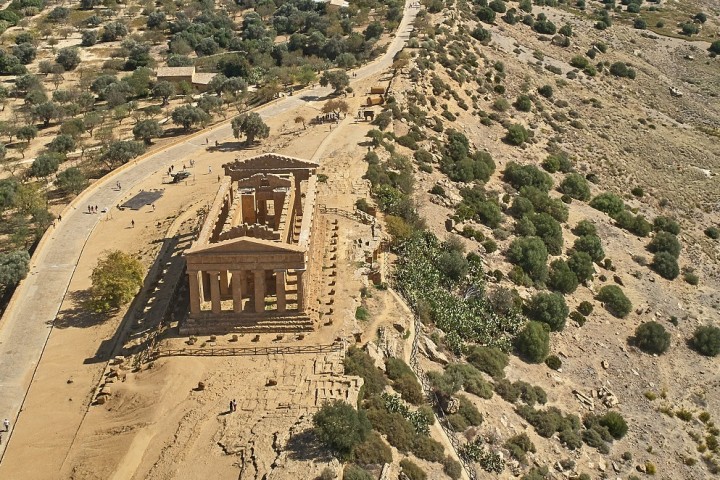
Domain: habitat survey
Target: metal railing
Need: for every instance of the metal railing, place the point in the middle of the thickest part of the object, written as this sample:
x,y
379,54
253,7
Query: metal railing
x,y
246,351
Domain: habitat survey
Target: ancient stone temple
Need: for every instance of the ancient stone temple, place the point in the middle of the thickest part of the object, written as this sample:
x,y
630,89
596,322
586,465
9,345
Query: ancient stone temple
x,y
250,262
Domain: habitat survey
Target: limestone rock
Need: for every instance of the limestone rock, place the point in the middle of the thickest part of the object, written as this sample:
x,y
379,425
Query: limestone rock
x,y
376,354
434,352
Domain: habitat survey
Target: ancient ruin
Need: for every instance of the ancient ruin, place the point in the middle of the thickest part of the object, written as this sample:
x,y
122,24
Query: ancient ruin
x,y
250,262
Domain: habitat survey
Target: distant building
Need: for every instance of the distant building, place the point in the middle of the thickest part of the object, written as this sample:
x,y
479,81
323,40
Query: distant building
x,y
198,80
334,4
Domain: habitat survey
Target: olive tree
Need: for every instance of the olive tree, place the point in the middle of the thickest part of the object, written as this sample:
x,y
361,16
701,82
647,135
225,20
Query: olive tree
x,y
251,125
340,427
116,279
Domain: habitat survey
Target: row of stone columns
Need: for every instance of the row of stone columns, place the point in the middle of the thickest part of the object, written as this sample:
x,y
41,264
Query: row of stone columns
x,y
234,283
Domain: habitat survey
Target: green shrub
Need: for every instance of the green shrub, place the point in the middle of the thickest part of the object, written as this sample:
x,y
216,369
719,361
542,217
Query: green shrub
x,y
490,360
549,230
507,390
713,232
578,317
353,472
530,254
469,412
362,313
665,242
517,134
585,308
561,278
575,186
666,224
404,381
578,61
553,362
520,176
591,245
609,203
523,103
399,432
359,363
615,300
665,265
372,451
549,308
546,91
486,15
691,278
620,69
706,340
584,227
340,427
518,446
558,162
457,422
533,341
581,265
427,449
615,424
452,468
411,470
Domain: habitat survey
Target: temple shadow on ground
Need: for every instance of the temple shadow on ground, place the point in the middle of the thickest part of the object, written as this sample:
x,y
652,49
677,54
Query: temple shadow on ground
x,y
154,303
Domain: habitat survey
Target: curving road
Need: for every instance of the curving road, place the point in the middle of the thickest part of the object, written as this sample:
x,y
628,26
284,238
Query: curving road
x,y
27,323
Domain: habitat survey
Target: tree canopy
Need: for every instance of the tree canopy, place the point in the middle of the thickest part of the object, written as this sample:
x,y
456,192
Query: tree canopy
x,y
116,279
251,125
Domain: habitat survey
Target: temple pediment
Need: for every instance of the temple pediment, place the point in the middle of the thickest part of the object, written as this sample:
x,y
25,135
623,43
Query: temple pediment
x,y
269,162
245,246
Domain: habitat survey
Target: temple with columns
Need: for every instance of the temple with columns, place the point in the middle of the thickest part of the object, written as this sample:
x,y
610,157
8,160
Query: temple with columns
x,y
250,262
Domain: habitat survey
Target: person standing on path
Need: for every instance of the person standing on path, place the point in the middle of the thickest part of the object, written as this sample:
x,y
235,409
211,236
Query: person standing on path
x,y
132,223
6,424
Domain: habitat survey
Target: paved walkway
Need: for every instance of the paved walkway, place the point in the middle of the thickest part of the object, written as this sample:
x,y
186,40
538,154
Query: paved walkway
x,y
26,325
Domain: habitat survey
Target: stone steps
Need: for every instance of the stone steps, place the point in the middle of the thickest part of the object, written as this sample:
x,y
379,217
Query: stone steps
x,y
290,324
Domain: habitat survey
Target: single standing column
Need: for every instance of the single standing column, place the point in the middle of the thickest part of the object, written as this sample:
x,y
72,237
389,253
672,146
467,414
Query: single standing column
x,y
280,289
215,291
224,283
194,291
259,291
300,274
238,278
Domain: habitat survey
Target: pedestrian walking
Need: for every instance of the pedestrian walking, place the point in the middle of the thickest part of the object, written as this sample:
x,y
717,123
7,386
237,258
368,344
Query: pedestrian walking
x,y
209,170
96,208
132,223
218,178
234,405
231,407
59,218
183,166
6,424
89,211
153,205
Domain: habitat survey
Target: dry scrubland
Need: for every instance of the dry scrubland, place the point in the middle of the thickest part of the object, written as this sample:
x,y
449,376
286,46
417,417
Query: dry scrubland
x,y
469,109
628,136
